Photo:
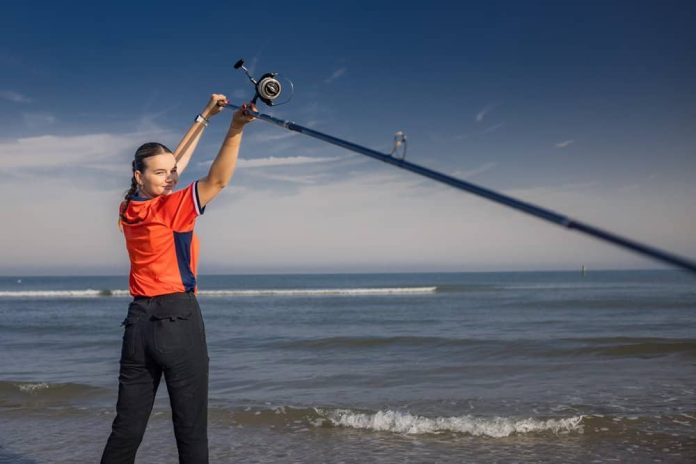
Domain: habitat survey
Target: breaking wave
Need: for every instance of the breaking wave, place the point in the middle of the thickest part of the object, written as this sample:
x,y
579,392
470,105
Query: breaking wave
x,y
91,293
404,422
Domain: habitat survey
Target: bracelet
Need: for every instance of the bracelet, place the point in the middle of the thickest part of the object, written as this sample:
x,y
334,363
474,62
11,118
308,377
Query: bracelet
x,y
200,118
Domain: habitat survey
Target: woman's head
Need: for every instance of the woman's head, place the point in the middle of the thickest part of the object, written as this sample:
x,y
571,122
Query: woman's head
x,y
154,171
154,174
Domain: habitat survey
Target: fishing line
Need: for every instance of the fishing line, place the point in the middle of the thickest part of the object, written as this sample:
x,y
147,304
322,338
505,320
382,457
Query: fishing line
x,y
400,162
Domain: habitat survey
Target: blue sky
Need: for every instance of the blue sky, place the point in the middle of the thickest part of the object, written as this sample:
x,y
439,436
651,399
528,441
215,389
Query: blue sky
x,y
587,108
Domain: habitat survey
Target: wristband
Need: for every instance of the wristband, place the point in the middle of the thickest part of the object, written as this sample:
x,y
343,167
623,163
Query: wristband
x,y
202,120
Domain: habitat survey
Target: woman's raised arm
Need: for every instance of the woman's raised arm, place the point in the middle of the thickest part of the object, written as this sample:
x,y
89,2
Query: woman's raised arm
x,y
225,162
188,144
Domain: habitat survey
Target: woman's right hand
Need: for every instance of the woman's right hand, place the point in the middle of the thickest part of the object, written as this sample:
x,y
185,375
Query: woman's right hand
x,y
216,104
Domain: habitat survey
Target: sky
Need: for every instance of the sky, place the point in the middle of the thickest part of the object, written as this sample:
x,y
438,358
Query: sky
x,y
587,108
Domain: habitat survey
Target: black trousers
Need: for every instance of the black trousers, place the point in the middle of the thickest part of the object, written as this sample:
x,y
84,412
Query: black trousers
x,y
163,335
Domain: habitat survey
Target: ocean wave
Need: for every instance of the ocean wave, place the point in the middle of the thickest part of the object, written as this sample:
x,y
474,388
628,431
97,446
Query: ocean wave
x,y
32,394
404,422
491,348
582,286
31,387
637,347
677,424
91,293
321,291
87,293
624,301
375,342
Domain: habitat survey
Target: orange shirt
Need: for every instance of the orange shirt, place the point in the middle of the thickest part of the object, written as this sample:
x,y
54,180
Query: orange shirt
x,y
161,243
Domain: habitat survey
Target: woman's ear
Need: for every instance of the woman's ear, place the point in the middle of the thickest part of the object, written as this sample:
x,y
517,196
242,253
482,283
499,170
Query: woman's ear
x,y
138,177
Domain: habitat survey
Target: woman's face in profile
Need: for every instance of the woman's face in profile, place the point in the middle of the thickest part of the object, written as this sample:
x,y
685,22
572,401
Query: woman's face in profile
x,y
160,175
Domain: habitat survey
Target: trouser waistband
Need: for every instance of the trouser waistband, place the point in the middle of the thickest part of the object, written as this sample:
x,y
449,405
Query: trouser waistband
x,y
166,296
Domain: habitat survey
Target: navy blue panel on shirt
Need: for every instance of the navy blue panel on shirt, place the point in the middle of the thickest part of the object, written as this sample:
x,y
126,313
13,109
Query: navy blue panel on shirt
x,y
182,244
197,200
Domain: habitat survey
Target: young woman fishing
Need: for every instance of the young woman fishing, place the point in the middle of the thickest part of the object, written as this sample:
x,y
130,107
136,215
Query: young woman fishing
x,y
164,333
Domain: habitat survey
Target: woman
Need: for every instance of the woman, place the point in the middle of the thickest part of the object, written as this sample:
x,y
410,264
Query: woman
x,y
164,333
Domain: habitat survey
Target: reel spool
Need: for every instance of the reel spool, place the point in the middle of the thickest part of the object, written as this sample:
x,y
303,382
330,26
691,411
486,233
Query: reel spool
x,y
269,88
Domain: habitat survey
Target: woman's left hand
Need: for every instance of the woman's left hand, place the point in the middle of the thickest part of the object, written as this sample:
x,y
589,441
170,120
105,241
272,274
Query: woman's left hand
x,y
241,117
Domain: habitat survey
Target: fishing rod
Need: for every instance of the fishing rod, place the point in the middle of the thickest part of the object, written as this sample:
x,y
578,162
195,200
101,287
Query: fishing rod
x,y
269,88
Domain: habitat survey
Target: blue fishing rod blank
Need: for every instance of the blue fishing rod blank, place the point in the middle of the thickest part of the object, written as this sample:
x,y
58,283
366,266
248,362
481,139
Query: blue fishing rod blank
x,y
542,213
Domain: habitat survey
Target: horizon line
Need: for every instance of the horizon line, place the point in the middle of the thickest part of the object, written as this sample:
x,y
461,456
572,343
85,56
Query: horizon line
x,y
579,270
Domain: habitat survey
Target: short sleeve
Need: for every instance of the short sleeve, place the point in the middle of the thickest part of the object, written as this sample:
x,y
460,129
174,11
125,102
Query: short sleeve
x,y
180,209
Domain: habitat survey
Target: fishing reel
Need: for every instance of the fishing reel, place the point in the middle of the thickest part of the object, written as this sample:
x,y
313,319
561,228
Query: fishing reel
x,y
269,88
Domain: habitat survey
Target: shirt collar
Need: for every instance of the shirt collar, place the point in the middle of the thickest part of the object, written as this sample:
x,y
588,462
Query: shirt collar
x,y
138,197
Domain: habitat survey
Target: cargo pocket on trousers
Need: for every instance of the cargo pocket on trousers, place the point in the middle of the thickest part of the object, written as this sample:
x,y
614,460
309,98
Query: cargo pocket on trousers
x,y
129,336
173,332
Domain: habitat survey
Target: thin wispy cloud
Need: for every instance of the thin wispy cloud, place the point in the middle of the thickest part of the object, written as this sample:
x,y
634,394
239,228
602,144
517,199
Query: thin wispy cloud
x,y
147,122
270,136
312,123
493,128
107,152
273,161
299,179
482,114
52,150
38,120
474,172
564,143
14,97
281,161
336,74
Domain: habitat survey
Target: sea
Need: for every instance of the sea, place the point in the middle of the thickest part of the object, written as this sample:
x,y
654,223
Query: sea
x,y
509,367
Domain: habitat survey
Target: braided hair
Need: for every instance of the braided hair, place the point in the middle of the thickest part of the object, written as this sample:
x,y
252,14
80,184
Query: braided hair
x,y
145,150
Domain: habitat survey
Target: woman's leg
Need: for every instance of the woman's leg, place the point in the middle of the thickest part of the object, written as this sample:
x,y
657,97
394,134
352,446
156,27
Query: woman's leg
x,y
181,349
138,380
187,384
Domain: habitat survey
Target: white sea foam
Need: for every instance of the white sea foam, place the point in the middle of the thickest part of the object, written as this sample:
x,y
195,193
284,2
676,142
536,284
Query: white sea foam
x,y
32,387
91,293
320,291
87,293
404,422
51,293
